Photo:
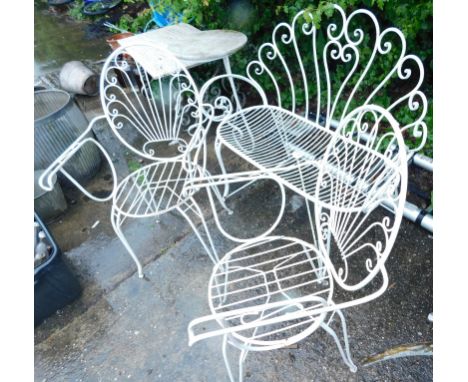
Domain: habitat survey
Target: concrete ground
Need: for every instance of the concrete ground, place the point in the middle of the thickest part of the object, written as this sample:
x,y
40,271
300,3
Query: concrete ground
x,y
126,328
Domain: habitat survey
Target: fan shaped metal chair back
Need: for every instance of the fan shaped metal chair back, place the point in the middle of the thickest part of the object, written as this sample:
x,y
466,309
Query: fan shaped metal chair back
x,y
329,69
151,102
363,168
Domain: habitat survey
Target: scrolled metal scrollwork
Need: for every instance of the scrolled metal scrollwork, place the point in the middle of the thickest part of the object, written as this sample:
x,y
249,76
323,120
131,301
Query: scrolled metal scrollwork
x,y
346,46
363,168
144,109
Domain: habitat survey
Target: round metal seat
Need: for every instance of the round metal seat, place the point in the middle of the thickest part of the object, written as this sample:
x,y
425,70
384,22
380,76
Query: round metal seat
x,y
153,189
266,274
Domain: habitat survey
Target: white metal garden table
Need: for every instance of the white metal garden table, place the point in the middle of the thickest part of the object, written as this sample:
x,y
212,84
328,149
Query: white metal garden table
x,y
192,46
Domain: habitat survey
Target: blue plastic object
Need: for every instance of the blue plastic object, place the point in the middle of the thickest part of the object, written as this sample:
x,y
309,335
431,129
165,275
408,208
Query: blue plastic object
x,y
161,19
164,19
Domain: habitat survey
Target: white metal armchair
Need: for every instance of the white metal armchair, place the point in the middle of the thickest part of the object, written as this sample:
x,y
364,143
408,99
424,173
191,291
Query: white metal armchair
x,y
152,105
274,291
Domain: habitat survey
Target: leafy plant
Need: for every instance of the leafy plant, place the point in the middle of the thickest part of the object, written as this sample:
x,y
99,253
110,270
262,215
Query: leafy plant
x,y
75,10
134,166
137,23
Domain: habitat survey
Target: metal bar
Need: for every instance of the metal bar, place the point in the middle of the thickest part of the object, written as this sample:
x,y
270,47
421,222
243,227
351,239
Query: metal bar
x,y
423,161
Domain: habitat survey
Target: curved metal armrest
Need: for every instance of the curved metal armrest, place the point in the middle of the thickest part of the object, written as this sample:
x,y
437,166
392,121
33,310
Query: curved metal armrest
x,y
223,103
46,181
322,307
254,311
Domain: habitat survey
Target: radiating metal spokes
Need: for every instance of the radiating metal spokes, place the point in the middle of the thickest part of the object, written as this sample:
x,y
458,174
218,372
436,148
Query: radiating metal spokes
x,y
148,98
364,165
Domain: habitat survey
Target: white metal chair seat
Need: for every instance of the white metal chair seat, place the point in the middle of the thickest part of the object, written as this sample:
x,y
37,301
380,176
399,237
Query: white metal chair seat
x,y
272,274
291,149
267,294
153,189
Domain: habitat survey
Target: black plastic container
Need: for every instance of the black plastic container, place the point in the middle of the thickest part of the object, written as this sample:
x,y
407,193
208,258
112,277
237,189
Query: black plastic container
x,y
55,286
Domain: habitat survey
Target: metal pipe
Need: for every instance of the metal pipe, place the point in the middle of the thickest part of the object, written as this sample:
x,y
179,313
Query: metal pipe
x,y
423,162
415,214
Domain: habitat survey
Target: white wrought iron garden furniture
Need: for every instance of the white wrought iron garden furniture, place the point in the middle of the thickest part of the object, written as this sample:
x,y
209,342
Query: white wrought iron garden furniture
x,y
272,291
154,111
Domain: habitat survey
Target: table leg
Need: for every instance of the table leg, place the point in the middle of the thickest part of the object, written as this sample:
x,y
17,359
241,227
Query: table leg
x,y
227,67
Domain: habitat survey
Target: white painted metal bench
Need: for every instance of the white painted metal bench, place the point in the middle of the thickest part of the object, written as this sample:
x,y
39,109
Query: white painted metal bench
x,y
243,130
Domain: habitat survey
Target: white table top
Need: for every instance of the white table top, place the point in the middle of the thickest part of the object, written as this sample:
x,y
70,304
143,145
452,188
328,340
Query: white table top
x,y
191,45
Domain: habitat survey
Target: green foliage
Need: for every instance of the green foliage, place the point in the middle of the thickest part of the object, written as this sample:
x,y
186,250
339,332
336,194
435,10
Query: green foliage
x,y
75,10
137,23
133,165
257,18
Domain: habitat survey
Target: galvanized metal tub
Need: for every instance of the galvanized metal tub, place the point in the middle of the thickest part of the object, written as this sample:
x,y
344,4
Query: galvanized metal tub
x,y
48,204
57,123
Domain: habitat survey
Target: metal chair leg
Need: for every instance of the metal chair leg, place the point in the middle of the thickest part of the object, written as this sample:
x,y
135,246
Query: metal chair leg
x,y
226,361
219,157
218,195
116,224
242,357
193,206
345,353
227,68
